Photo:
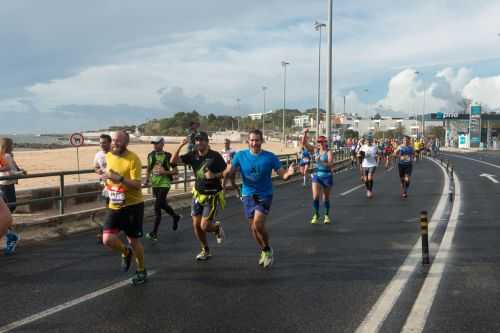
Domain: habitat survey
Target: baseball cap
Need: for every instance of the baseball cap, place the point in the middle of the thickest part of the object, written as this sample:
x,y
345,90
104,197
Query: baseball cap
x,y
156,139
321,139
201,136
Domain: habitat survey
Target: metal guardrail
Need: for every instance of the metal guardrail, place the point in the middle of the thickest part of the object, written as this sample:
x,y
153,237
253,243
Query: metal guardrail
x,y
185,178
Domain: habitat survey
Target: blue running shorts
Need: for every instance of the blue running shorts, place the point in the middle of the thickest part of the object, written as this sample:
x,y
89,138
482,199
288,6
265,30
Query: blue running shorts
x,y
253,203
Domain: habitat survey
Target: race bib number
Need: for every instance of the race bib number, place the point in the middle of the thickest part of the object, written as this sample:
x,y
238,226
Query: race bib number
x,y
405,157
306,159
116,195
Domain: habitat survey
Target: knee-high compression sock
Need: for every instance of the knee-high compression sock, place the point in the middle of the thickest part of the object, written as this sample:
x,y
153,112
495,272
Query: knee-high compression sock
x,y
157,224
370,184
316,206
327,207
367,184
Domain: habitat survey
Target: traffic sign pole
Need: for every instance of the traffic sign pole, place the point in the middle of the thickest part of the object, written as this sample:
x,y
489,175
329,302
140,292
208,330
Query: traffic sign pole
x,y
78,163
77,140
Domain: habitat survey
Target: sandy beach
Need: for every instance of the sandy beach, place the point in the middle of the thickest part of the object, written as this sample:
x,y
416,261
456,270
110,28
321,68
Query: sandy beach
x,y
64,159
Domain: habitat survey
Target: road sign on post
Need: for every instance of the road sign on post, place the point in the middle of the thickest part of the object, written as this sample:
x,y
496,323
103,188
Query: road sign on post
x,y
77,140
475,126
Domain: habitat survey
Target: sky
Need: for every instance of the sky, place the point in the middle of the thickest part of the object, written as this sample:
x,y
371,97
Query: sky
x,y
80,65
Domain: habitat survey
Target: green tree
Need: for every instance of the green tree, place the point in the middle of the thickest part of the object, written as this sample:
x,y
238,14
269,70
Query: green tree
x,y
351,134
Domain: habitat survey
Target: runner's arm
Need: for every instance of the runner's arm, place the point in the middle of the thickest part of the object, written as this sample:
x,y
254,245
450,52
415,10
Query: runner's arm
x,y
331,161
396,152
216,168
285,174
176,157
171,172
97,167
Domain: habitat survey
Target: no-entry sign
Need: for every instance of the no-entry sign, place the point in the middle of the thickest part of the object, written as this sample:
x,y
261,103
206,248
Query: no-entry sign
x,y
76,139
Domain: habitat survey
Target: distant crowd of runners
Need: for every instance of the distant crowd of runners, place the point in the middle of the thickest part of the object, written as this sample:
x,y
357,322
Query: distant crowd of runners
x,y
120,173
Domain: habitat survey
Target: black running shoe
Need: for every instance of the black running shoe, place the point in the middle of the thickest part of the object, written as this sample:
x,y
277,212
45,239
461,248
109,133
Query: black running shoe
x,y
175,225
127,260
140,277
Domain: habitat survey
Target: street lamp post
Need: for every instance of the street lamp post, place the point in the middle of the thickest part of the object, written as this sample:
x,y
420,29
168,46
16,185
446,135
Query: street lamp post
x,y
238,110
329,81
264,88
319,26
423,107
284,64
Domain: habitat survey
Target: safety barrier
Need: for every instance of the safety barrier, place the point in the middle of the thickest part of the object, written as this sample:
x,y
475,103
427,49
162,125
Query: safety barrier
x,y
184,176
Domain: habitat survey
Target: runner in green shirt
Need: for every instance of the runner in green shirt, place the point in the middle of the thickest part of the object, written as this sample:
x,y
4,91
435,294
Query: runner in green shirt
x,y
160,175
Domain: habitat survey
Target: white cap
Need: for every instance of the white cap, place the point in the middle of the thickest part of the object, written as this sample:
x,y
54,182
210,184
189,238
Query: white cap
x,y
157,139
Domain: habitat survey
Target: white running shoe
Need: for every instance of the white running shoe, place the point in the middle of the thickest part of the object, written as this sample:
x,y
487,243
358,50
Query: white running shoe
x,y
261,260
268,259
204,255
219,234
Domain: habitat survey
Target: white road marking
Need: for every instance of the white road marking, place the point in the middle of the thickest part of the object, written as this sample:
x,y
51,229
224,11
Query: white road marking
x,y
67,305
343,194
490,177
378,314
420,312
478,161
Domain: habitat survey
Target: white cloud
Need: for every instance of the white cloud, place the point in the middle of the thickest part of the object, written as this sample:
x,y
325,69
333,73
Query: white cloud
x,y
206,58
443,92
484,91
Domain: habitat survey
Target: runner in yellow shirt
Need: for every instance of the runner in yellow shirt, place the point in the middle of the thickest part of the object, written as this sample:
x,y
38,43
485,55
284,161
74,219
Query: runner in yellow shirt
x,y
126,205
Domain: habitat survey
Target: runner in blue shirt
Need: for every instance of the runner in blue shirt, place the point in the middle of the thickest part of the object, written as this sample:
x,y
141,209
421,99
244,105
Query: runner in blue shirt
x,y
405,165
305,162
322,177
256,166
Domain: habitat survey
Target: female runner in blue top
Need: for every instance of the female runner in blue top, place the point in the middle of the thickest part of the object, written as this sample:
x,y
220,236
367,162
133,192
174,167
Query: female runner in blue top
x,y
322,177
305,162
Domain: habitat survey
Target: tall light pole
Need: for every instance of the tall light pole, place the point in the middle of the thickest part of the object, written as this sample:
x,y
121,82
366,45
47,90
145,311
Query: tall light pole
x,y
318,26
423,107
264,88
284,64
238,111
329,80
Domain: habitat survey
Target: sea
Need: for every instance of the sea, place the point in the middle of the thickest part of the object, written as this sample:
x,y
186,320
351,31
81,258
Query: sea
x,y
38,139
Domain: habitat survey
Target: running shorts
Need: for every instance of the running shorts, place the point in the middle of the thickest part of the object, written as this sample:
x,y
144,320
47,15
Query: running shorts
x,y
253,203
303,162
369,171
127,219
324,181
207,209
405,169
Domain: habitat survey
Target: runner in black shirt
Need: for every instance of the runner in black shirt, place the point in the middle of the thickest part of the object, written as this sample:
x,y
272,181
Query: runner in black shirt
x,y
208,166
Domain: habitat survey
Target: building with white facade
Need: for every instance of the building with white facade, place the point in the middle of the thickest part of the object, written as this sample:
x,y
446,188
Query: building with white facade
x,y
302,121
255,116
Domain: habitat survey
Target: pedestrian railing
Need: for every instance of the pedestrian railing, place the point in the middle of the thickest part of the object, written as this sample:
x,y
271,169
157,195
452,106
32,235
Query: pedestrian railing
x,y
185,177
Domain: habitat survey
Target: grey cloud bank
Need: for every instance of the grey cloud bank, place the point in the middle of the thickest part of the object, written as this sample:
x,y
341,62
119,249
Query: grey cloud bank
x,y
77,64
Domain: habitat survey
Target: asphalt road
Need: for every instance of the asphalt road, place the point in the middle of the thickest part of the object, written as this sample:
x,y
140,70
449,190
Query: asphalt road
x,y
468,299
325,278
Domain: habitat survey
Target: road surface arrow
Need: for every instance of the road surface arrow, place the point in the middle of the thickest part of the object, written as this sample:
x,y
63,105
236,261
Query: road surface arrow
x,y
490,177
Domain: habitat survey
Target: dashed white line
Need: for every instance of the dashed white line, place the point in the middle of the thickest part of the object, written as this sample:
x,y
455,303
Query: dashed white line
x,y
380,311
343,194
417,318
67,305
